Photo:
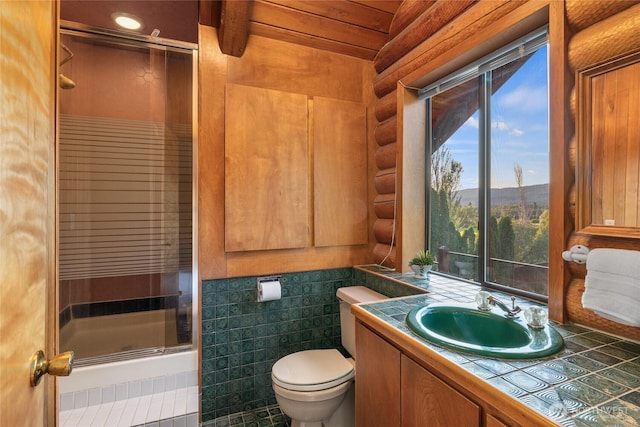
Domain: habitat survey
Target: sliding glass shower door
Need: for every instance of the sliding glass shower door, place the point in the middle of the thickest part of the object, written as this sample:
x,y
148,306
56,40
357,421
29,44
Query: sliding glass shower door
x,y
125,180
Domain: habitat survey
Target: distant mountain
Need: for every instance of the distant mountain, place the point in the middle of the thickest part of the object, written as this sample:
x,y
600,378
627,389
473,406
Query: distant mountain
x,y
538,194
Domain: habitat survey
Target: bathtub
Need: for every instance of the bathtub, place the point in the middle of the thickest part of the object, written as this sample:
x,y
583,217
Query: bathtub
x,y
136,391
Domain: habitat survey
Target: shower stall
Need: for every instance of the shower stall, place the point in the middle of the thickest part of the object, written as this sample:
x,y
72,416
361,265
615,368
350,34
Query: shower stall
x,y
126,217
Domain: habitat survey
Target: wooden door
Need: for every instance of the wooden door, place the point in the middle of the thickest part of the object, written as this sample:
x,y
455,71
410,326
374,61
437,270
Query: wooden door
x,y
377,380
427,401
27,260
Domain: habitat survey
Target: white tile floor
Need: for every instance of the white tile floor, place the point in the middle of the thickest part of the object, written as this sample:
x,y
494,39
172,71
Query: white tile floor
x,y
173,408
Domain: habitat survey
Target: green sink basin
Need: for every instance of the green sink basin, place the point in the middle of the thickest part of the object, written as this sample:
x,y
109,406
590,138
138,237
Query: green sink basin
x,y
484,333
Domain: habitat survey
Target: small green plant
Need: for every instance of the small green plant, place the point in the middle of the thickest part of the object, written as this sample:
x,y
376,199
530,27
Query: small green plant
x,y
422,258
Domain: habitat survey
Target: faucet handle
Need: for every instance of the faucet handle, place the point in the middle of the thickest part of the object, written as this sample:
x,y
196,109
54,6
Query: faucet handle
x,y
514,308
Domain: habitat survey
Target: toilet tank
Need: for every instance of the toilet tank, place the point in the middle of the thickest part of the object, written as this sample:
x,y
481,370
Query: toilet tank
x,y
347,296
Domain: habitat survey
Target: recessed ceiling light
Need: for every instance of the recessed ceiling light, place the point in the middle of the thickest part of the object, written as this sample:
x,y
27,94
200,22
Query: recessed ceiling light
x,y
128,21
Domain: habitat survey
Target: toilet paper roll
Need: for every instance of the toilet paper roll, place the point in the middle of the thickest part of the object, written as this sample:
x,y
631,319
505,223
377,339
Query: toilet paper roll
x,y
269,291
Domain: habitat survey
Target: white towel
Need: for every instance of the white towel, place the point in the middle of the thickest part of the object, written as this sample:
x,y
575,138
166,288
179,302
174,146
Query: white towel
x,y
615,284
612,285
618,309
615,261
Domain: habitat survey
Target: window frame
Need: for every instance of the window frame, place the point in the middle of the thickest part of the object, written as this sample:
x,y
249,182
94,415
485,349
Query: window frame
x,y
481,69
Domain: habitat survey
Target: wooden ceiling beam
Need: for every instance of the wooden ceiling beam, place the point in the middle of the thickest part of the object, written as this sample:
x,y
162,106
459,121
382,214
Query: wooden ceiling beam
x,y
233,31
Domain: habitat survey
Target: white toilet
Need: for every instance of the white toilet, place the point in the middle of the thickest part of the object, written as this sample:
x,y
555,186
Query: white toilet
x,y
314,387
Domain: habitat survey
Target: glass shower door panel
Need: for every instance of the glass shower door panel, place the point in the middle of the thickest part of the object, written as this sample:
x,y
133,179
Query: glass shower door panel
x,y
125,156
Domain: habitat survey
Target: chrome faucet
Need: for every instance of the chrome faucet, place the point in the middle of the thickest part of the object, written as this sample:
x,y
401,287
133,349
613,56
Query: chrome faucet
x,y
509,312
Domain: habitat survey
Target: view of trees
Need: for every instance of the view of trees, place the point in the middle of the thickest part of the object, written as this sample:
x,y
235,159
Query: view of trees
x,y
518,232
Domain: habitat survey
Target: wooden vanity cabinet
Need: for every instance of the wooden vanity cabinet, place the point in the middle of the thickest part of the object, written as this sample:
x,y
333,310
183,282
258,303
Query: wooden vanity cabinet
x,y
427,401
492,421
394,390
378,387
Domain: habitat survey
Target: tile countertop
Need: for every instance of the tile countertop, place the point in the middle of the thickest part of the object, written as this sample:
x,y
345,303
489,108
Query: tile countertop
x,y
594,381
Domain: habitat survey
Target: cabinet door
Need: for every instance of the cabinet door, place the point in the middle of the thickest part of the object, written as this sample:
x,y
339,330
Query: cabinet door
x,y
266,169
377,380
427,401
492,421
340,172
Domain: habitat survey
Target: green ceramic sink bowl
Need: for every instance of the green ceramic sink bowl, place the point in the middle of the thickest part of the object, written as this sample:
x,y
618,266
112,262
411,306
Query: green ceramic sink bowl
x,y
483,333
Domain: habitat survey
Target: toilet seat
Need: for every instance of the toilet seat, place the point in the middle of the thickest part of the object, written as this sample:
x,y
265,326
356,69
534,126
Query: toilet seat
x,y
312,370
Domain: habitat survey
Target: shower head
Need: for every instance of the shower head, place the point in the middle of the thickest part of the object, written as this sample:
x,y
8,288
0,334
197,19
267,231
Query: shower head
x,y
66,82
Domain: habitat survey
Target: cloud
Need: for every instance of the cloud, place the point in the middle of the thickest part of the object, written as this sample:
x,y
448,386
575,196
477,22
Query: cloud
x,y
473,122
516,132
526,98
500,126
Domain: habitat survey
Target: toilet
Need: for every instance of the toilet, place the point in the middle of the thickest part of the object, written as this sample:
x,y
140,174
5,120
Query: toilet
x,y
315,387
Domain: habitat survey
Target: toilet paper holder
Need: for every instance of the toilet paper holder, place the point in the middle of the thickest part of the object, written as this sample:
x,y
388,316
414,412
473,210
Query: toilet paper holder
x,y
265,290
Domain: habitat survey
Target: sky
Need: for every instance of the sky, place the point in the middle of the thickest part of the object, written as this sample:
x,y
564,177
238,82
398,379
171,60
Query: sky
x,y
519,133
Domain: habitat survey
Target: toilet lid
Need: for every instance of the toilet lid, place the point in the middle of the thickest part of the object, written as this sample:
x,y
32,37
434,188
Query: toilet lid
x,y
312,370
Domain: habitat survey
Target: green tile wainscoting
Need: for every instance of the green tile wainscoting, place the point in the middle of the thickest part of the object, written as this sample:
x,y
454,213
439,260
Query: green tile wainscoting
x,y
242,338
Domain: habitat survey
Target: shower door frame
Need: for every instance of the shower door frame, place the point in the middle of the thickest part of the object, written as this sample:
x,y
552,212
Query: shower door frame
x,y
141,41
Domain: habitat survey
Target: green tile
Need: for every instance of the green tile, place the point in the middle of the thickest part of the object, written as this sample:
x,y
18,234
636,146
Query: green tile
x,y
603,384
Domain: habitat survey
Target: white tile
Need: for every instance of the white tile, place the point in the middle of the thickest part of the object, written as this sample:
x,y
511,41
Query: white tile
x,y
135,389
126,418
181,379
115,413
122,391
180,421
193,401
169,382
74,417
140,415
168,401
80,399
63,416
155,408
166,423
100,420
180,404
95,396
192,420
146,387
108,393
158,385
88,416
66,401
192,378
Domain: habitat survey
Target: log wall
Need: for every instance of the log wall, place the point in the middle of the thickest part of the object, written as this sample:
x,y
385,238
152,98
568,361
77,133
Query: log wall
x,y
581,33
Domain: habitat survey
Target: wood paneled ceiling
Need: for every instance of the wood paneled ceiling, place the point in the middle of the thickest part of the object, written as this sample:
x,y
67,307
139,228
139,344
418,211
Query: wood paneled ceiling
x,y
352,27
356,28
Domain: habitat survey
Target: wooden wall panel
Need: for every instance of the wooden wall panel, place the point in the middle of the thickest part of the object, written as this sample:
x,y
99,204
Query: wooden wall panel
x,y
211,84
266,169
603,31
340,173
282,66
286,67
614,143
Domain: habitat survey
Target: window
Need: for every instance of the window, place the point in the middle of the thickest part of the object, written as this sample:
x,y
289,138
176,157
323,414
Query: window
x,y
488,206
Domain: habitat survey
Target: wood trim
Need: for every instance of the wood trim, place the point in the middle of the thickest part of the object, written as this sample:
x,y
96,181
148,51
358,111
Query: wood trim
x,y
213,65
52,326
560,174
411,214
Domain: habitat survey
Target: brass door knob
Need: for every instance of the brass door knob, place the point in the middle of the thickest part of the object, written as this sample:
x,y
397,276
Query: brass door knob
x,y
60,366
